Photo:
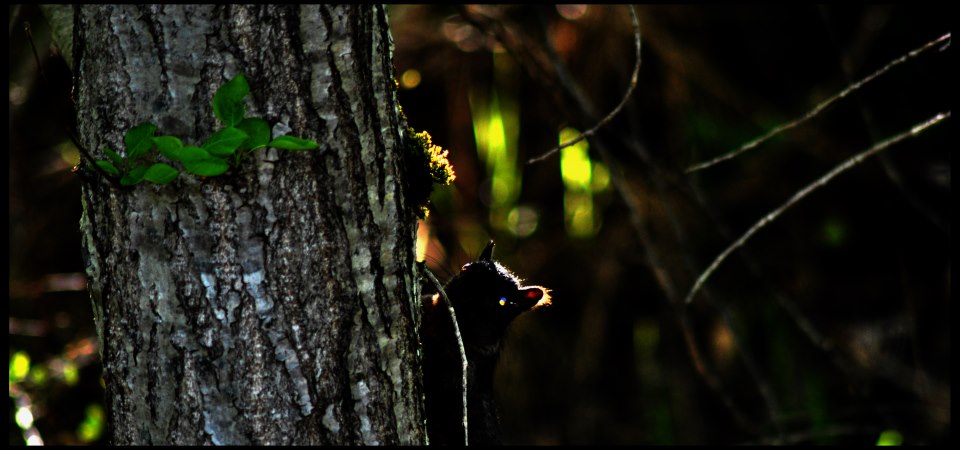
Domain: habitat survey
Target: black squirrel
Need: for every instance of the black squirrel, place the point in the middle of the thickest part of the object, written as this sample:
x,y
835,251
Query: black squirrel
x,y
486,297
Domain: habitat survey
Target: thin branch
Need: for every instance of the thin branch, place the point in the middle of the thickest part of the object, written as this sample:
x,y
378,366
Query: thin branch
x,y
801,437
819,108
753,368
802,322
73,137
713,382
844,166
656,260
626,96
516,49
456,332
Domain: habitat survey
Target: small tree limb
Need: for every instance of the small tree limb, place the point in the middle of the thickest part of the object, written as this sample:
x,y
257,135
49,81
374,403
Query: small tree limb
x,y
817,109
623,102
842,167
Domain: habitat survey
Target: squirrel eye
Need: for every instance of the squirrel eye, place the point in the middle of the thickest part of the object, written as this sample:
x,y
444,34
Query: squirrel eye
x,y
464,267
503,301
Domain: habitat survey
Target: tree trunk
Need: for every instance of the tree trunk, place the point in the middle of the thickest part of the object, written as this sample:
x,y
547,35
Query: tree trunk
x,y
274,304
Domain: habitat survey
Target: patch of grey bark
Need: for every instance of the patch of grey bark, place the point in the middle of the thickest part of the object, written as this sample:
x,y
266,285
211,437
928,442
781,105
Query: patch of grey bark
x,y
273,304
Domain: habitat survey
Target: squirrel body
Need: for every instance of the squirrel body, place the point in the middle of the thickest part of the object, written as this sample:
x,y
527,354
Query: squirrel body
x,y
486,297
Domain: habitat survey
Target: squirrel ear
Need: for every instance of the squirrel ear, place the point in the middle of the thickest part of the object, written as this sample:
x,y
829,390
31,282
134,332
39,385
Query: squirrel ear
x,y
533,293
487,253
536,296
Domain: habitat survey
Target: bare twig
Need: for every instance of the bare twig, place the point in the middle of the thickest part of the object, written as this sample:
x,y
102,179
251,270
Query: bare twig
x,y
456,332
849,58
657,260
713,382
73,137
819,108
753,368
844,166
609,117
807,436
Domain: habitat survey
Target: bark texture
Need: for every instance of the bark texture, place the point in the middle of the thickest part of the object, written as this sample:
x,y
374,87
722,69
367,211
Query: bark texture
x,y
274,304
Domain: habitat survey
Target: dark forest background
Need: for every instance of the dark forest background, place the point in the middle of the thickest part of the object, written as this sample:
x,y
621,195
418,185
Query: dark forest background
x,y
831,325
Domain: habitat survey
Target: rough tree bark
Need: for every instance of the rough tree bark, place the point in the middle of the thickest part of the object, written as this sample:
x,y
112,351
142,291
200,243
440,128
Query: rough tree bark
x,y
274,304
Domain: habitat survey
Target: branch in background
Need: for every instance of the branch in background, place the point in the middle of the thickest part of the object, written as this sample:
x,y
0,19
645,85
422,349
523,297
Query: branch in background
x,y
713,382
764,386
844,166
819,108
73,137
655,259
653,255
609,117
811,436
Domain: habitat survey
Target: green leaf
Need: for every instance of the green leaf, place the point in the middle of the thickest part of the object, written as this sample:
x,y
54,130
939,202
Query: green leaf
x,y
206,167
108,167
114,156
228,103
160,173
192,153
225,142
293,143
134,176
169,146
258,131
139,139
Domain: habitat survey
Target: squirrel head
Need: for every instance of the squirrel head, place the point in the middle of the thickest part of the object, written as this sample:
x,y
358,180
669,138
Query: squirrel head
x,y
487,297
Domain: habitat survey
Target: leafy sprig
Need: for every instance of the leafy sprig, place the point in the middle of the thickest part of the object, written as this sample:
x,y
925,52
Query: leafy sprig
x,y
427,164
240,137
